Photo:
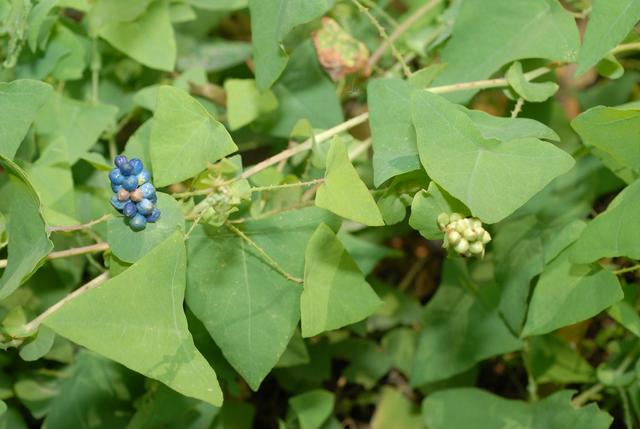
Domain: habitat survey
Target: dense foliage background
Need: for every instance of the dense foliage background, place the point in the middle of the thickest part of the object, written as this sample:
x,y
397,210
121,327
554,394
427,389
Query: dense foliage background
x,y
302,273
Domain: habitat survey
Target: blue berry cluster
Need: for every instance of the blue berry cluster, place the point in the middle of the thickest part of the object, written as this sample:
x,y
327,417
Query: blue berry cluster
x,y
135,197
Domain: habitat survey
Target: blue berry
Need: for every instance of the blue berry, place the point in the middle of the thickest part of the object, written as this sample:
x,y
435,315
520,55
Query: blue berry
x,y
148,191
143,177
116,188
126,169
155,214
137,166
138,222
145,207
117,204
116,176
129,209
130,183
119,160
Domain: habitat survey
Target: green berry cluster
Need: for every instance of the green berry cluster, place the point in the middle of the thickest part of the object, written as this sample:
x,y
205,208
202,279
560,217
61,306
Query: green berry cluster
x,y
464,235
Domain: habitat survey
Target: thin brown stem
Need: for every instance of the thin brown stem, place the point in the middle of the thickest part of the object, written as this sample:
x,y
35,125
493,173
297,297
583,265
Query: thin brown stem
x,y
307,145
87,225
401,29
486,84
627,270
75,251
385,37
286,185
35,323
363,117
265,256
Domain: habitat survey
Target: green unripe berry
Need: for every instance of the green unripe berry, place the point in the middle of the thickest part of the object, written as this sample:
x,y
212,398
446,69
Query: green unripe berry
x,y
462,247
476,223
470,234
486,237
454,217
461,226
443,220
453,237
476,248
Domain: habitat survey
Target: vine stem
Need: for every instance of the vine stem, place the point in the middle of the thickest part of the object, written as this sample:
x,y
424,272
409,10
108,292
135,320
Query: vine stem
x,y
486,84
627,270
588,394
268,259
74,251
363,117
307,145
35,323
385,37
400,30
286,185
87,225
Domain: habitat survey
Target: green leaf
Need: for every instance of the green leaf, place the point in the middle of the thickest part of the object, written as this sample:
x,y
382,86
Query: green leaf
x,y
162,407
64,59
219,4
38,346
295,354
79,123
530,91
313,408
566,294
304,92
393,135
29,242
37,17
245,103
129,245
493,178
250,309
505,129
215,56
368,361
483,410
149,39
609,67
137,319
395,149
427,205
96,389
542,29
400,344
613,232
522,247
366,254
611,135
271,21
335,292
107,12
20,102
624,312
184,137
609,23
550,359
395,411
52,179
138,145
343,192
461,327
